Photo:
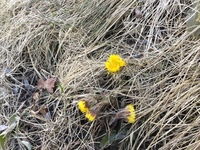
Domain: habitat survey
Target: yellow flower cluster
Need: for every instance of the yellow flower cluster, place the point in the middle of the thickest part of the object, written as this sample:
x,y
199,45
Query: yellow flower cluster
x,y
131,115
114,63
83,107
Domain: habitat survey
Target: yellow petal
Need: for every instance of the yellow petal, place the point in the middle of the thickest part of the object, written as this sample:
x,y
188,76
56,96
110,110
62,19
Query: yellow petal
x,y
82,105
90,116
130,108
131,116
114,63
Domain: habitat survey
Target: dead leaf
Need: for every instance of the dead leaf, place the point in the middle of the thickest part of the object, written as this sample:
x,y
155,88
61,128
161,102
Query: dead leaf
x,y
48,84
40,84
43,110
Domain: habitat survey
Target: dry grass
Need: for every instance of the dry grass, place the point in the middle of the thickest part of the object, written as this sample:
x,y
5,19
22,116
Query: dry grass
x,y
71,40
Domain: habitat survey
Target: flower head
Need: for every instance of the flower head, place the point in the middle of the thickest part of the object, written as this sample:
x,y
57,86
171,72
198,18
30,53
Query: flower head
x,y
131,115
90,115
83,106
114,63
127,113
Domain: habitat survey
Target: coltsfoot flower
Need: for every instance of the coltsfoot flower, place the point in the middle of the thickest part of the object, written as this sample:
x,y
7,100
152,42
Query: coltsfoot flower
x,y
90,115
83,106
114,63
127,113
93,112
131,115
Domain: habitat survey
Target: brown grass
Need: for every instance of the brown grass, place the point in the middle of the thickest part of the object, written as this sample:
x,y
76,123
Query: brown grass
x,y
71,40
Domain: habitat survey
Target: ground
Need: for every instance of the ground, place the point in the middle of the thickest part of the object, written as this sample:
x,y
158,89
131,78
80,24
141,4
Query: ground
x,y
53,55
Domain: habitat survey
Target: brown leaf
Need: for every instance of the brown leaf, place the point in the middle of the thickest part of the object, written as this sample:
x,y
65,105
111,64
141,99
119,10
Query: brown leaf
x,y
40,84
48,84
43,110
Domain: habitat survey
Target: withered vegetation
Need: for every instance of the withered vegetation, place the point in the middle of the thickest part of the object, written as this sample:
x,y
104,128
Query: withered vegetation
x,y
69,40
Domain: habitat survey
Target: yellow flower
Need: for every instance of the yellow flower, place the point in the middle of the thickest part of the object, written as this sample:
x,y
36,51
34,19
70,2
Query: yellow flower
x,y
82,105
131,115
90,115
114,63
127,113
